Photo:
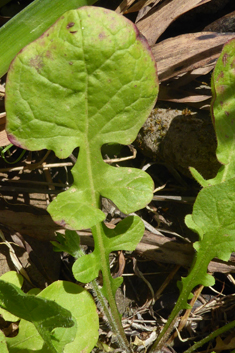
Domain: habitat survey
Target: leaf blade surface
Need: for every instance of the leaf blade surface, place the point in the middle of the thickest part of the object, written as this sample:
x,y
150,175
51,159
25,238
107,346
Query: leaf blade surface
x,y
105,89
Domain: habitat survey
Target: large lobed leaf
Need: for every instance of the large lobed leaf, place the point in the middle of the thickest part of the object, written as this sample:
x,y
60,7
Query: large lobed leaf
x,y
89,80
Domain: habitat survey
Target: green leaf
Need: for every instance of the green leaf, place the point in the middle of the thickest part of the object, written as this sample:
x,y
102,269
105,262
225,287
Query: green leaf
x,y
68,242
75,299
28,340
213,220
3,345
44,314
89,80
14,278
223,107
29,24
214,208
216,221
223,114
85,85
125,236
31,308
78,301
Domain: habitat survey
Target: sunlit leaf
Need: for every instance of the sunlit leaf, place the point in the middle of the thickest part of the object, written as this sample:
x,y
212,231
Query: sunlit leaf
x,y
85,85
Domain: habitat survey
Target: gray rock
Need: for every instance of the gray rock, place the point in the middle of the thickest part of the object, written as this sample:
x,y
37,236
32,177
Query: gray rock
x,y
180,138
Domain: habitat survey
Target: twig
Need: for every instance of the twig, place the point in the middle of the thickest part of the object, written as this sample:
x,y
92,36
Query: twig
x,y
183,199
37,166
43,166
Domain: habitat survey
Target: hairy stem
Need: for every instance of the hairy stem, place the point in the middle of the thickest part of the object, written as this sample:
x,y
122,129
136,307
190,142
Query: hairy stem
x,y
108,306
123,343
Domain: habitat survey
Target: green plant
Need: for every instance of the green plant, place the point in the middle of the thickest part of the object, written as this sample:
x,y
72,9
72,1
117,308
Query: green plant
x,y
213,212
85,85
47,324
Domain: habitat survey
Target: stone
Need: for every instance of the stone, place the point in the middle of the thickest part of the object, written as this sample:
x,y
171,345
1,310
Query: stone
x,y
180,138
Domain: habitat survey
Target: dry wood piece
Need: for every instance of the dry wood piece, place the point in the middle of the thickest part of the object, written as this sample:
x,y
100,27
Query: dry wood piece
x,y
161,17
153,247
183,95
188,52
40,227
125,6
169,250
223,24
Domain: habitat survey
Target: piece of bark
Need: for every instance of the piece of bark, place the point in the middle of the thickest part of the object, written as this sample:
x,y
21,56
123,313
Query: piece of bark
x,y
141,5
187,88
161,17
188,52
223,24
170,250
39,226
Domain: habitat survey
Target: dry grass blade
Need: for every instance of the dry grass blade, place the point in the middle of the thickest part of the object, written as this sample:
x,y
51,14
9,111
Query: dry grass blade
x,y
140,274
156,23
188,52
14,258
145,9
141,4
125,4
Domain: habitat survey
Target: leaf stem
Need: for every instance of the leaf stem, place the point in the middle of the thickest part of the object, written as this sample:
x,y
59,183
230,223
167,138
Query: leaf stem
x,y
113,315
211,336
123,343
163,336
